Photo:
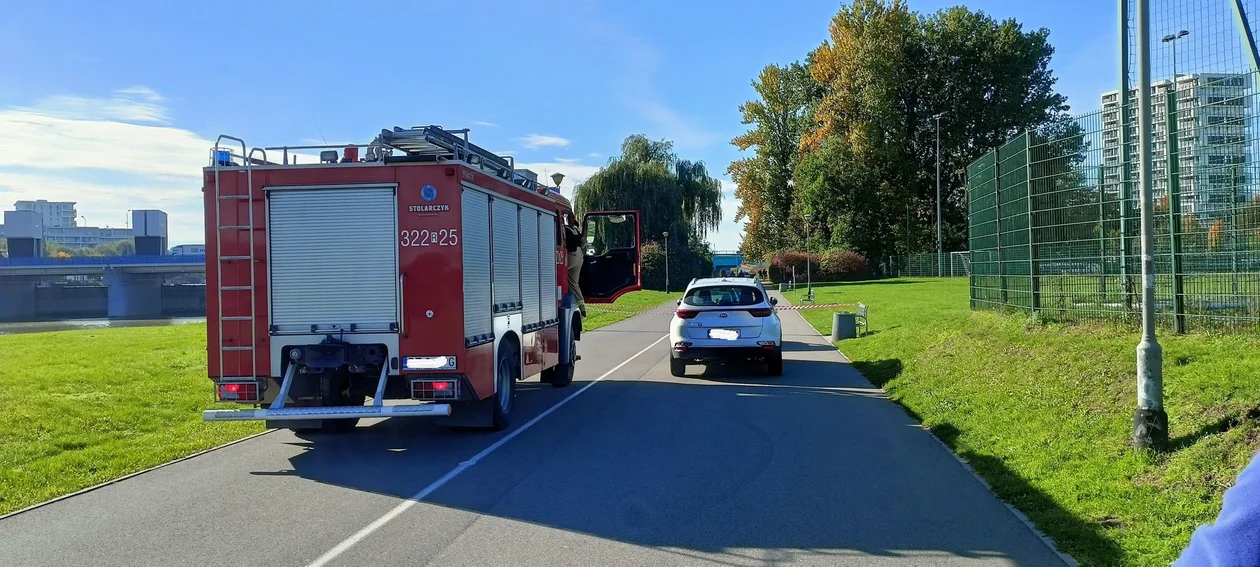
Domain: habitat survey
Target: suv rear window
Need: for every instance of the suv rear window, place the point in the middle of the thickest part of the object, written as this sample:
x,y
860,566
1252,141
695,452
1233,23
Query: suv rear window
x,y
723,295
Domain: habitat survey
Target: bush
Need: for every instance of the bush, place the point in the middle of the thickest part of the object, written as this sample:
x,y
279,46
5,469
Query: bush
x,y
783,262
844,265
832,265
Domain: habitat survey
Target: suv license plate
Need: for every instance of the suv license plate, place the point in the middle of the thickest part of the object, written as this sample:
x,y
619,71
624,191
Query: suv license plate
x,y
726,334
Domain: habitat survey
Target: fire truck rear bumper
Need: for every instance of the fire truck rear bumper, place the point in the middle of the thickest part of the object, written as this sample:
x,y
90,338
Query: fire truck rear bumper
x,y
345,412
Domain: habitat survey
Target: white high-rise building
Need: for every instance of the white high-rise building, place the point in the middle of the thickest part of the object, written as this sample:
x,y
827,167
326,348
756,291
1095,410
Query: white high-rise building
x,y
57,214
1212,126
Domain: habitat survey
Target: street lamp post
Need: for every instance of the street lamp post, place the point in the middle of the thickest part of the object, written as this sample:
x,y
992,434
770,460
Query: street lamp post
x,y
667,261
940,249
809,282
1150,421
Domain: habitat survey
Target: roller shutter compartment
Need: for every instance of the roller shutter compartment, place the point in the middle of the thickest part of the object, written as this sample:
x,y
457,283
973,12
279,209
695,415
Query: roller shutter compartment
x,y
333,259
505,231
529,266
476,246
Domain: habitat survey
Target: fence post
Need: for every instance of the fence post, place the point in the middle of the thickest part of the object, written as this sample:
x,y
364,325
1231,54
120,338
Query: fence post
x,y
997,209
1126,171
1033,276
1102,238
1174,211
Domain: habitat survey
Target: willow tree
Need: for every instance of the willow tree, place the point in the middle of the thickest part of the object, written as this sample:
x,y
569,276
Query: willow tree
x,y
671,194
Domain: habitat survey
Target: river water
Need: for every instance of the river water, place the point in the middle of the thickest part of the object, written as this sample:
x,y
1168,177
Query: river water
x,y
79,324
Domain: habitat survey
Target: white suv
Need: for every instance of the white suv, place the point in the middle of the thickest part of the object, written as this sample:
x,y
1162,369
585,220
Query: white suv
x,y
725,319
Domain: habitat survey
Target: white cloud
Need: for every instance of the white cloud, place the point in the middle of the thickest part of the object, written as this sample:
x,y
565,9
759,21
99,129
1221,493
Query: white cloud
x,y
535,141
132,104
484,123
595,155
109,155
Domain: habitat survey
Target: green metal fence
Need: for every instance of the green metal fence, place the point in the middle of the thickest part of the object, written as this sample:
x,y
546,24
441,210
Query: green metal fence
x,y
1054,213
950,264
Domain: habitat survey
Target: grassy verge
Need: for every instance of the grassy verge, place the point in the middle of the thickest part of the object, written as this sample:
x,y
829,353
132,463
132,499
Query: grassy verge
x,y
625,307
1042,412
78,408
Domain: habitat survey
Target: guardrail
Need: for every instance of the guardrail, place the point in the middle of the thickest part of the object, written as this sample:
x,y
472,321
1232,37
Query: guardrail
x,y
104,260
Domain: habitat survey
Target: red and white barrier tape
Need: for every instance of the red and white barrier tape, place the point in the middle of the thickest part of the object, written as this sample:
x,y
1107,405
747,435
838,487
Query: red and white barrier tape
x,y
597,309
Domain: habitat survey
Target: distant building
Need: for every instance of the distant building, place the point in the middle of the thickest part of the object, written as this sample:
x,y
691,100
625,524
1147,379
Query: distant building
x,y
1212,126
61,226
57,214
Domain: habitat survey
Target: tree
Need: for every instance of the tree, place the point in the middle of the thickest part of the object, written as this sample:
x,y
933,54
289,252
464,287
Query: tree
x,y
764,181
671,194
869,168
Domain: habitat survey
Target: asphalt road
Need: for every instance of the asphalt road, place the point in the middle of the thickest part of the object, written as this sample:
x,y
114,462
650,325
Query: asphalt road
x,y
722,467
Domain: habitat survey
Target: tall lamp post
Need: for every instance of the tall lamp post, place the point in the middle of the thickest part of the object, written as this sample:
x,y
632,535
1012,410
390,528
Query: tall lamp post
x,y
667,261
1150,421
940,249
809,282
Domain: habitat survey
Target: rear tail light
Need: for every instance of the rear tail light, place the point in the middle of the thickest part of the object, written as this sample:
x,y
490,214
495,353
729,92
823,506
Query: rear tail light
x,y
686,313
681,345
761,312
238,392
434,389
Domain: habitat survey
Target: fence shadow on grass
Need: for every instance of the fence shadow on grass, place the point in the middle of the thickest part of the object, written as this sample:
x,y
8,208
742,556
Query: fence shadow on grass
x,y
879,372
1089,544
1219,426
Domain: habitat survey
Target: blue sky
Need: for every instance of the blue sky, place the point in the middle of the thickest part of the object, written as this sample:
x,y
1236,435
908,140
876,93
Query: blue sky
x,y
114,105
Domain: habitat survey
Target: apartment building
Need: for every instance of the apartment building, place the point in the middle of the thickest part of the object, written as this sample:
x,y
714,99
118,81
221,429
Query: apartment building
x,y
1213,121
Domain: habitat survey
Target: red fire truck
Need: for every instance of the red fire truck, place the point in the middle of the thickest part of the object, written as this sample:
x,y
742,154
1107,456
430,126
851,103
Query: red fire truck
x,y
427,269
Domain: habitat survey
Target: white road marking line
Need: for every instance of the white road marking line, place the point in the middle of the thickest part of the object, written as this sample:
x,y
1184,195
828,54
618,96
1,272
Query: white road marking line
x,y
381,521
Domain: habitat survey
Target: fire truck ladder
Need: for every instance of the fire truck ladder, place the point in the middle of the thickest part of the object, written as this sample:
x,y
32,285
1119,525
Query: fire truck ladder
x,y
222,158
437,143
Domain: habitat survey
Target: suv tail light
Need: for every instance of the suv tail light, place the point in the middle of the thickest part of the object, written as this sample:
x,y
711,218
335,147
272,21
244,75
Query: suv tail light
x,y
763,312
686,313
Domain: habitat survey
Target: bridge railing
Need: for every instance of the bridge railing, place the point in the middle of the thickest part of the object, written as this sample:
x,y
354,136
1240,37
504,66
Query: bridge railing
x,y
104,260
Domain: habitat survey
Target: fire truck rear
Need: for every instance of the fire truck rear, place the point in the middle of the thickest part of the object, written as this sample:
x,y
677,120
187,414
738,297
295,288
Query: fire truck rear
x,y
428,269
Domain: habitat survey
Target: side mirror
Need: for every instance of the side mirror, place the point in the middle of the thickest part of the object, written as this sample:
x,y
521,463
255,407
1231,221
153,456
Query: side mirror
x,y
774,301
678,301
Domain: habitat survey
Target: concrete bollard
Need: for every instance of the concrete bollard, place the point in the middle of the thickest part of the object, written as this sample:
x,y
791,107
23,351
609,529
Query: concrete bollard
x,y
843,325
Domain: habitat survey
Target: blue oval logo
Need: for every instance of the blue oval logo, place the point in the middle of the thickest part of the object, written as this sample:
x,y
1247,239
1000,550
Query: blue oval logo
x,y
428,193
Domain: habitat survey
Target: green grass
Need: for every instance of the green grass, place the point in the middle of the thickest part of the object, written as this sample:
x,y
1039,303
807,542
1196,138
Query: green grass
x,y
1043,412
626,306
78,408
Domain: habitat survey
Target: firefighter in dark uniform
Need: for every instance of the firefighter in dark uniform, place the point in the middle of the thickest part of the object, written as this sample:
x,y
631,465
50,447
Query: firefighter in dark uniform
x,y
577,254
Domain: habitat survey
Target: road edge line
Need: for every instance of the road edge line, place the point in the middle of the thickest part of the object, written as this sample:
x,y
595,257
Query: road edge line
x,y
403,506
1023,518
133,474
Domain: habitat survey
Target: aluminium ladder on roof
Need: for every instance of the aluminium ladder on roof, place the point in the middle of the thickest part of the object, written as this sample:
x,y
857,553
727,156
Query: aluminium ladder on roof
x,y
440,143
222,259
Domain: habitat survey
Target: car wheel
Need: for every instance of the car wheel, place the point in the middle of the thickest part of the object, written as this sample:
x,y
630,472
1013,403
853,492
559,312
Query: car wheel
x,y
774,364
506,370
677,367
561,375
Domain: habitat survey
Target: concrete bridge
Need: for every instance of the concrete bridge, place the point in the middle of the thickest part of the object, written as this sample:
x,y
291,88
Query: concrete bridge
x,y
129,287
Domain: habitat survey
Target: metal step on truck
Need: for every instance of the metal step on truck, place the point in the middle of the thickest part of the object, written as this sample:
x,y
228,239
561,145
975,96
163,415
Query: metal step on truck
x,y
426,269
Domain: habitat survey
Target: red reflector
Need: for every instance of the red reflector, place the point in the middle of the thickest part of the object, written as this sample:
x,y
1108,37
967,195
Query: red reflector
x,y
232,388
441,386
686,313
761,312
